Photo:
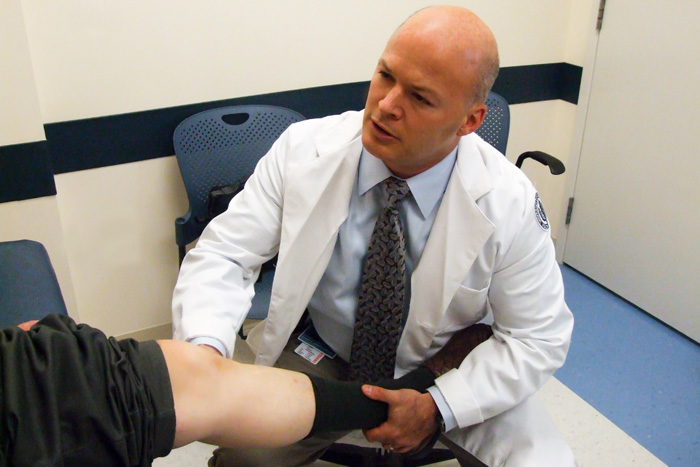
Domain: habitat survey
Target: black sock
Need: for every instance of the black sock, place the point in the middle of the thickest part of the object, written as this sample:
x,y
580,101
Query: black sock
x,y
342,406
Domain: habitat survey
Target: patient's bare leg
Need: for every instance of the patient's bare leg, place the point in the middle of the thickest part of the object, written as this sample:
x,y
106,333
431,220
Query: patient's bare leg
x,y
231,404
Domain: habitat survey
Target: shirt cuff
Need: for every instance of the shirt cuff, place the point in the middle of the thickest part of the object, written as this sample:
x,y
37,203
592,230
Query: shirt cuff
x,y
447,415
210,341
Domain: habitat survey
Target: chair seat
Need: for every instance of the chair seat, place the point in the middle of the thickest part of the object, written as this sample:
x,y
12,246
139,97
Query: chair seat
x,y
29,289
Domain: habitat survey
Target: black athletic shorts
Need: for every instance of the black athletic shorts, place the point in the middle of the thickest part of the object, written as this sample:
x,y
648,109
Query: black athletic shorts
x,y
70,396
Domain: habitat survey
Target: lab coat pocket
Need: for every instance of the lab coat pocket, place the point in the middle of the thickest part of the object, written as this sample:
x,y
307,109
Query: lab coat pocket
x,y
468,306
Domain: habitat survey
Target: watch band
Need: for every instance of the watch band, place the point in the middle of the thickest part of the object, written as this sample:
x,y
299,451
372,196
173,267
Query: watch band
x,y
441,423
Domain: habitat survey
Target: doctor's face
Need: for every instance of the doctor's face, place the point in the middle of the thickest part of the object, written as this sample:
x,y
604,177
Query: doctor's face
x,y
418,103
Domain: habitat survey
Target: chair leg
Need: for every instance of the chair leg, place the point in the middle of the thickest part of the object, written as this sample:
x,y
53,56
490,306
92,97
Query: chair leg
x,y
464,458
433,457
181,254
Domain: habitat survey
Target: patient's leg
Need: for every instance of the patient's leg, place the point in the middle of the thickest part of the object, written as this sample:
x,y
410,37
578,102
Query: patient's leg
x,y
231,404
215,400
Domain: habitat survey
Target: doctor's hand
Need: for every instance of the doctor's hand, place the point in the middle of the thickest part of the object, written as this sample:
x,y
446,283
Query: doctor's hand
x,y
412,421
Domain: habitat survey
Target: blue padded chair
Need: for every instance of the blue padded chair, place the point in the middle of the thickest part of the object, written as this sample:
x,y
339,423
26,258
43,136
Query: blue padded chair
x,y
218,149
29,289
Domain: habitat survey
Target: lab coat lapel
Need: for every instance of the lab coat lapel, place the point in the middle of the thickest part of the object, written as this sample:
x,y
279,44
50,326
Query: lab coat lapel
x,y
458,235
316,201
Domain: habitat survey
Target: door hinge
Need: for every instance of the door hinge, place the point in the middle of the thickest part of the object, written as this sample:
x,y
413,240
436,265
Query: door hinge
x,y
569,210
601,12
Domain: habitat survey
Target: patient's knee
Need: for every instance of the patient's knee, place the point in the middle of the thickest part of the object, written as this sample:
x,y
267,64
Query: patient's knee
x,y
189,364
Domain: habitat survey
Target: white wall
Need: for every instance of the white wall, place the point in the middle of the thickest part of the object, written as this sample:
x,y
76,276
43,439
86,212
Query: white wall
x,y
20,119
116,56
20,122
115,224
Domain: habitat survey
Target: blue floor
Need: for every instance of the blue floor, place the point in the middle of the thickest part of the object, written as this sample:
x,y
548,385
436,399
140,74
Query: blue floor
x,y
639,373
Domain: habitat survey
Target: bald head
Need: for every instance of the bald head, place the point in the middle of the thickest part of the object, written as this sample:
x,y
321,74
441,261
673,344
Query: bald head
x,y
428,89
460,36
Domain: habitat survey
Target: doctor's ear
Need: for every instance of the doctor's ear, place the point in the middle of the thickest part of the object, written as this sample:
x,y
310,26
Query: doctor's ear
x,y
472,121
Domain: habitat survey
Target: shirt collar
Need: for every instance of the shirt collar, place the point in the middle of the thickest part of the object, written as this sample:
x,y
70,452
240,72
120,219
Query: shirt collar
x,y
426,187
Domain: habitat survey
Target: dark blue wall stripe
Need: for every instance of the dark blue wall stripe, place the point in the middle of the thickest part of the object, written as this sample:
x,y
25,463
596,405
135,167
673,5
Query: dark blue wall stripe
x,y
25,172
119,139
534,83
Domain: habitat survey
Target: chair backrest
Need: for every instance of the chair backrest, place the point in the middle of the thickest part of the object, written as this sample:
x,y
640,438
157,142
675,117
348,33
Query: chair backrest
x,y
220,147
28,286
496,125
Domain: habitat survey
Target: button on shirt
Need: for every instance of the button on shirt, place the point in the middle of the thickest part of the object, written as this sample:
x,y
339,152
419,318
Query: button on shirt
x,y
334,303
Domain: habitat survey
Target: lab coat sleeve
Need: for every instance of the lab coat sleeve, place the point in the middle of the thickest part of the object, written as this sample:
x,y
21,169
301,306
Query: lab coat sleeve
x,y
532,324
215,285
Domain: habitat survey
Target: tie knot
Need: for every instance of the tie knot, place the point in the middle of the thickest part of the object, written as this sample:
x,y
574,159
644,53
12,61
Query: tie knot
x,y
396,190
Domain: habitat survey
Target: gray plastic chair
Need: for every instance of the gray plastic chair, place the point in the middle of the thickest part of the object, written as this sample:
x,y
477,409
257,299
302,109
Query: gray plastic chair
x,y
29,289
496,125
218,149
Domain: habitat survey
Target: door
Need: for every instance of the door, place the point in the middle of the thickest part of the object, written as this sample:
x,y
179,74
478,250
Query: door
x,y
635,227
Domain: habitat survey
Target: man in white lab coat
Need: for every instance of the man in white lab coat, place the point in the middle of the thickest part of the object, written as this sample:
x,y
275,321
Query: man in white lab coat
x,y
478,248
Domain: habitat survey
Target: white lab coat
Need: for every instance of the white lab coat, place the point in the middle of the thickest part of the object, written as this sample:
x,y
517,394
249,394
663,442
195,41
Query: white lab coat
x,y
486,253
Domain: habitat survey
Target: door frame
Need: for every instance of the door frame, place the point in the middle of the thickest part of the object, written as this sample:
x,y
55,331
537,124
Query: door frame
x,y
579,130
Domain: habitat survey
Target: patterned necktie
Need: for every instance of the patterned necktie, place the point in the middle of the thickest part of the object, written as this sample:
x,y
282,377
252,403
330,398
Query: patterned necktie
x,y
380,308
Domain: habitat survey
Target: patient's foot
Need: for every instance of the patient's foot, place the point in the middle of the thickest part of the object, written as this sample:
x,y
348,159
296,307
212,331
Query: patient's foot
x,y
457,348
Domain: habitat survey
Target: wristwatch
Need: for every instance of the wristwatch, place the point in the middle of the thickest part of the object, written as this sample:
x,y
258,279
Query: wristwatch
x,y
441,422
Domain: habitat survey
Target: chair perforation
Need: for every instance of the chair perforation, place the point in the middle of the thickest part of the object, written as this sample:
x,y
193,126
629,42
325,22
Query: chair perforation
x,y
494,129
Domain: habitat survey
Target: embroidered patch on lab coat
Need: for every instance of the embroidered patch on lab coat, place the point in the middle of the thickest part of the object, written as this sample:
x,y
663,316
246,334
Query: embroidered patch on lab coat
x,y
540,214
